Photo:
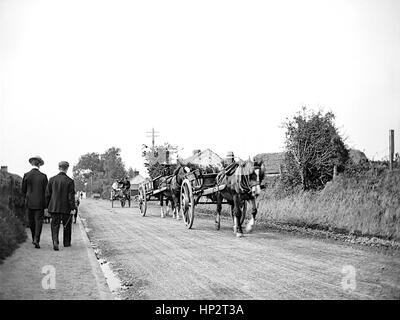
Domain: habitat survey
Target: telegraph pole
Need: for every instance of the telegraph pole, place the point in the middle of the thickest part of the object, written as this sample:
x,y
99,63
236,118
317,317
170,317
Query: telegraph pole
x,y
153,134
391,148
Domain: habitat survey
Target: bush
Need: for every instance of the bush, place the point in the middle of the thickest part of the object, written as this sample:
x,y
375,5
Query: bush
x,y
314,147
12,214
12,232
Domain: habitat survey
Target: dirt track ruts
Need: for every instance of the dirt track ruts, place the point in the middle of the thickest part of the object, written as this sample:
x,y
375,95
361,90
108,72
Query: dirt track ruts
x,y
161,259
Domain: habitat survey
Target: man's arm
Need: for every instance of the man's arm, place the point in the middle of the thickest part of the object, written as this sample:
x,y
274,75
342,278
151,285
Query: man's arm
x,y
48,193
45,183
71,195
24,185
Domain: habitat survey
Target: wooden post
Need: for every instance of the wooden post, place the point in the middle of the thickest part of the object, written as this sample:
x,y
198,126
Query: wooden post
x,y
334,171
391,148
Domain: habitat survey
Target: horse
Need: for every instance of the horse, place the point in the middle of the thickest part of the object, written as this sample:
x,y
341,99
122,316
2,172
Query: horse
x,y
242,182
173,184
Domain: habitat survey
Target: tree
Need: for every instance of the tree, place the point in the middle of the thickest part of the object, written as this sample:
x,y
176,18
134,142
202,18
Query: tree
x,y
313,148
99,171
113,165
131,173
155,159
88,166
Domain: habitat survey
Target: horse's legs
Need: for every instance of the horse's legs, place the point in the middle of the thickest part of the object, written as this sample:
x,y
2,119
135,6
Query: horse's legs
x,y
238,212
176,205
233,216
218,215
252,221
167,201
162,205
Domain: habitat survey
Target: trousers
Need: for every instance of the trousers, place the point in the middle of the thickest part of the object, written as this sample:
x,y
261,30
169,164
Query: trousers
x,y
35,218
66,220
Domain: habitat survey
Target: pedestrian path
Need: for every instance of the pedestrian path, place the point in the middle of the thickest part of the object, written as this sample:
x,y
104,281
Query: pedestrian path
x,y
72,273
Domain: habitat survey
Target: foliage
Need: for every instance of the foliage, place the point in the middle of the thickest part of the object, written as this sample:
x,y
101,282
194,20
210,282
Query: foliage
x,y
96,172
130,173
156,159
313,148
12,214
113,165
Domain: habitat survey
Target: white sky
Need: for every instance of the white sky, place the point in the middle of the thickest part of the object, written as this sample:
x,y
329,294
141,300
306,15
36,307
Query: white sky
x,y
82,76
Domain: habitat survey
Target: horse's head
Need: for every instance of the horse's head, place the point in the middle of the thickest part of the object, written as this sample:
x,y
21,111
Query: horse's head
x,y
180,172
254,170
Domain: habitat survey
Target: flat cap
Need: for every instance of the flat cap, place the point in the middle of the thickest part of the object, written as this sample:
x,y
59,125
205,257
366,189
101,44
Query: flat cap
x,y
41,162
63,164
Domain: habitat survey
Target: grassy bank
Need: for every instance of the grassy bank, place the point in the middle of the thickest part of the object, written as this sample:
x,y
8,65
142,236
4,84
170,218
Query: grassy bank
x,y
12,214
367,204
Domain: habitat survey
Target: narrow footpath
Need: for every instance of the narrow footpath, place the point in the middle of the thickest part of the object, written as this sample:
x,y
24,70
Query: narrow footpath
x,y
72,273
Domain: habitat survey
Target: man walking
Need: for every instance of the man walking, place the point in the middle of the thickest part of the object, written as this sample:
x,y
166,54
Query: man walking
x,y
60,198
34,185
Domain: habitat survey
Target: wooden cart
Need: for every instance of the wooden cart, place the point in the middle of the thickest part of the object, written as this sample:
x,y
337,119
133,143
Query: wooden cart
x,y
150,190
200,188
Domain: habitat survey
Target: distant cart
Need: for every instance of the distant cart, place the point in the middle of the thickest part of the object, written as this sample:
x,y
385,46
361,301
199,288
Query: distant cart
x,y
117,194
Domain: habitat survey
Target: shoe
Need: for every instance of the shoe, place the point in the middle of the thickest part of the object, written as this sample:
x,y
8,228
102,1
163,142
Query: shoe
x,y
55,247
37,246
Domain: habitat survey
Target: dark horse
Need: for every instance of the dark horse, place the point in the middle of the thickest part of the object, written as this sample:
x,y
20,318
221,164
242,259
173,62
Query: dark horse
x,y
242,183
173,184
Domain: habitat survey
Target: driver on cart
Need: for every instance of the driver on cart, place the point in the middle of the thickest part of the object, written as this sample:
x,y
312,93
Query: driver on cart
x,y
125,186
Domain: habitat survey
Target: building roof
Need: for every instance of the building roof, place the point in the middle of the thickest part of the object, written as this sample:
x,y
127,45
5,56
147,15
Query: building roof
x,y
272,161
197,155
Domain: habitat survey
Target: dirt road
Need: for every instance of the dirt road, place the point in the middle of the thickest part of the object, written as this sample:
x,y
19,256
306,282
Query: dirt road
x,y
160,259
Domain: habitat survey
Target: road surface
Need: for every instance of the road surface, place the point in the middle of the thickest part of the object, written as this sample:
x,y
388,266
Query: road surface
x,y
160,259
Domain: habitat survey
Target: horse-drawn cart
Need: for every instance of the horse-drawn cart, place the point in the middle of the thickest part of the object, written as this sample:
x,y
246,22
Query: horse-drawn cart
x,y
201,188
119,194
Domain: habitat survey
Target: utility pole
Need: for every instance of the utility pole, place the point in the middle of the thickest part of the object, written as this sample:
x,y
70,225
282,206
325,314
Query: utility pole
x,y
391,148
153,134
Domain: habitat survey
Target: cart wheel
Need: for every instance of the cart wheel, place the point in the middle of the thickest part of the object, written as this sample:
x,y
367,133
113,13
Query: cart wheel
x,y
187,203
142,202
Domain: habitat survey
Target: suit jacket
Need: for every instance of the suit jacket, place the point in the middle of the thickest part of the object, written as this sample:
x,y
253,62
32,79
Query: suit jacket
x,y
60,194
34,185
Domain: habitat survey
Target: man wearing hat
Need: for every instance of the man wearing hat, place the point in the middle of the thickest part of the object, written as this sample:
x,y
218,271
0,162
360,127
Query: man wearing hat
x,y
60,198
34,185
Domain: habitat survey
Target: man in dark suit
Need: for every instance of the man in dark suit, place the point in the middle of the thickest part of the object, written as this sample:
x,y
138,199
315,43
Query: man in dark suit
x,y
34,185
60,199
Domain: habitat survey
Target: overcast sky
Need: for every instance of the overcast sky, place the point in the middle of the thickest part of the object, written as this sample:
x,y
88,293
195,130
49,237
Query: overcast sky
x,y
82,76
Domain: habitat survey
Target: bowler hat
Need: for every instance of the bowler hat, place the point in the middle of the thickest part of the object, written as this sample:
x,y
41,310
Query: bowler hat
x,y
41,162
63,164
